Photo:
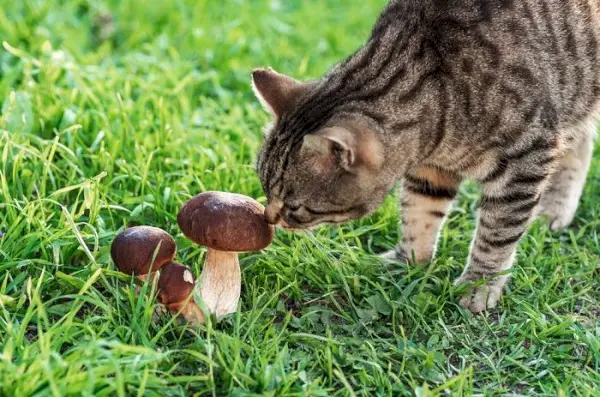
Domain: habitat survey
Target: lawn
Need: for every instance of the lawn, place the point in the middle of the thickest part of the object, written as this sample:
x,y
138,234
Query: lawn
x,y
114,113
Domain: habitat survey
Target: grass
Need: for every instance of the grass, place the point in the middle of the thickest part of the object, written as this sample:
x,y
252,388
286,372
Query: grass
x,y
110,124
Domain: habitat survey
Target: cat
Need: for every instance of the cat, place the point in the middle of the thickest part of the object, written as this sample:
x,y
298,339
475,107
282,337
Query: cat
x,y
502,92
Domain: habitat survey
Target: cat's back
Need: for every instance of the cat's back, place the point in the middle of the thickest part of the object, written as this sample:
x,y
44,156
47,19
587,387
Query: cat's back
x,y
470,65
553,27
519,49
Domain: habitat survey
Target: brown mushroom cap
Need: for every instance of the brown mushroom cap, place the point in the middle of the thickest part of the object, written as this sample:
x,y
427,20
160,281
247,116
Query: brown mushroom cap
x,y
133,250
175,284
226,222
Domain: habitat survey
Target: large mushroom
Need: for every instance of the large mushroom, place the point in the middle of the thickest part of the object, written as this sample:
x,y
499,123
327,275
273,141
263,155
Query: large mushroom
x,y
227,224
175,289
142,250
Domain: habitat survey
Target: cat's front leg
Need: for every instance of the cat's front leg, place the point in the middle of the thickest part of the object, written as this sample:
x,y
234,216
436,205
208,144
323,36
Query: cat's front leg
x,y
426,197
509,197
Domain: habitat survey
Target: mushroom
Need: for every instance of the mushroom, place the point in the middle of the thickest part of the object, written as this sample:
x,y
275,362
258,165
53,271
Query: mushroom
x,y
175,288
142,250
227,224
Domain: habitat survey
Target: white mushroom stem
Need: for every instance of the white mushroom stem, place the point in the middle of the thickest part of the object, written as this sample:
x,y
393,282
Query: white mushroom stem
x,y
221,282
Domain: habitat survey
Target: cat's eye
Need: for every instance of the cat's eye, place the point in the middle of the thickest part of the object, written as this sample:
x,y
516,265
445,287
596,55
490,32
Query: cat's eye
x,y
293,207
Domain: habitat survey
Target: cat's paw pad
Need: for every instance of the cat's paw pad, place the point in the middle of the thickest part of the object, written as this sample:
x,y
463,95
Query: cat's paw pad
x,y
483,297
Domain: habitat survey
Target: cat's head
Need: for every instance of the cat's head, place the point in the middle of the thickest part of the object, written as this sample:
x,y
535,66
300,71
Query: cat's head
x,y
318,164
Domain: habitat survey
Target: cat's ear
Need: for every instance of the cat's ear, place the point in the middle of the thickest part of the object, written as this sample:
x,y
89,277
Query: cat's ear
x,y
275,91
337,146
327,149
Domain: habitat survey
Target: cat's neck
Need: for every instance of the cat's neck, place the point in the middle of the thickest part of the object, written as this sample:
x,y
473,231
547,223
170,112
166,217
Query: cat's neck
x,y
396,79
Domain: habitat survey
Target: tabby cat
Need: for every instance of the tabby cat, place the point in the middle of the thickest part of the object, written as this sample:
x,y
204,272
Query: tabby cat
x,y
503,92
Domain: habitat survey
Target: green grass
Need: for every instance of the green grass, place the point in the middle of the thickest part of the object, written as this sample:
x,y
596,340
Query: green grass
x,y
104,126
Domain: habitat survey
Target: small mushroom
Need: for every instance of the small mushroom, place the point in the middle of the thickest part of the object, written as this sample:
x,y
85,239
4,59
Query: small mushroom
x,y
142,250
175,287
227,224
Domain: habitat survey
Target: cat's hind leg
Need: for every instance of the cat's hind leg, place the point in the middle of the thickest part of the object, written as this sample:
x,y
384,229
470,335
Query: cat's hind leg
x,y
427,195
560,200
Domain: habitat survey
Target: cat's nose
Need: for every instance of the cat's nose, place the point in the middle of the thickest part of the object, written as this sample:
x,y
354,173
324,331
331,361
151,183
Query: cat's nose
x,y
273,211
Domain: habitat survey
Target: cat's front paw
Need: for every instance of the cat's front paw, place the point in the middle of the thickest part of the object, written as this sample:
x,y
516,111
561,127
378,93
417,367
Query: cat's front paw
x,y
395,255
482,297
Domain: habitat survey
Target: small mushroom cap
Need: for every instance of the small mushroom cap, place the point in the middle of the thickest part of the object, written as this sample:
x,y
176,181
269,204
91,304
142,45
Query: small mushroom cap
x,y
226,222
133,249
175,284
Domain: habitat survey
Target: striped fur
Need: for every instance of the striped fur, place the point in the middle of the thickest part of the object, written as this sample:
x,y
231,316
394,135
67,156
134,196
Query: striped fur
x,y
504,92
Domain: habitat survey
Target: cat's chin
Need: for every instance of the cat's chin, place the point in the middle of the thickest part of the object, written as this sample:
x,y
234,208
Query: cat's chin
x,y
337,220
300,228
307,228
295,229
